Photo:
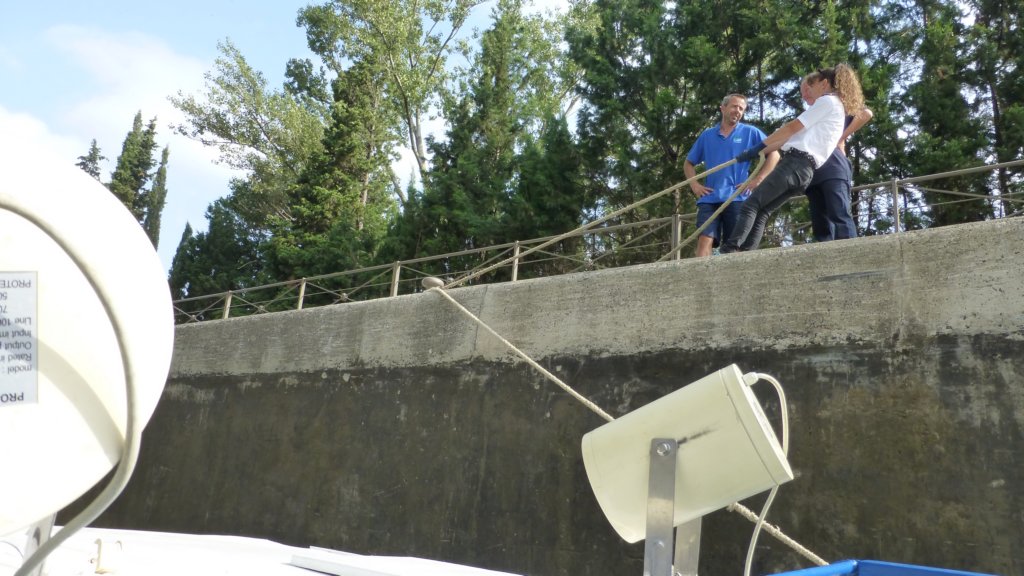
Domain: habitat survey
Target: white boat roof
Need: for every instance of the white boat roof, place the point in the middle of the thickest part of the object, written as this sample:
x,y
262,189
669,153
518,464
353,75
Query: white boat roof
x,y
140,553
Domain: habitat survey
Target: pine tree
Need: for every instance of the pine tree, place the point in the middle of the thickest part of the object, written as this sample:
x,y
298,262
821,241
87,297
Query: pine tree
x,y
225,257
340,205
134,166
90,163
155,200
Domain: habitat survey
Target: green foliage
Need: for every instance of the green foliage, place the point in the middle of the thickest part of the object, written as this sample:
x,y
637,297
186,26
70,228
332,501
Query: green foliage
x,y
340,207
482,189
269,134
155,200
134,165
553,122
406,43
90,163
225,257
142,190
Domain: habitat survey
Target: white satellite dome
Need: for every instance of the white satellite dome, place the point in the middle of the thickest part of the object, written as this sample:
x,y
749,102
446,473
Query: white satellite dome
x,y
63,391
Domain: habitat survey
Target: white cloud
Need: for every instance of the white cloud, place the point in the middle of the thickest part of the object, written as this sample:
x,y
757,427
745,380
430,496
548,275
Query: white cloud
x,y
24,131
131,72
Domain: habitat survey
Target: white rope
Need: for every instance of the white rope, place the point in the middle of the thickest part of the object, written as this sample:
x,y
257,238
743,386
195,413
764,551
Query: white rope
x,y
594,407
778,534
734,507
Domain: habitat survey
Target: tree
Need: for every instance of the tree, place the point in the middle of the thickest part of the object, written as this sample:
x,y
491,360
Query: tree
x,y
133,169
134,182
225,257
948,135
471,197
409,42
155,200
269,134
90,163
996,54
342,203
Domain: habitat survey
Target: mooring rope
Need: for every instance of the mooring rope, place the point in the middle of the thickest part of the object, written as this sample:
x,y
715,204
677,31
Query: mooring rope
x,y
734,507
442,290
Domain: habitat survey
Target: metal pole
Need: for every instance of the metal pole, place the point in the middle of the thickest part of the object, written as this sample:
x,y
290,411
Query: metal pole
x,y
302,292
396,273
227,305
677,235
515,262
895,187
661,497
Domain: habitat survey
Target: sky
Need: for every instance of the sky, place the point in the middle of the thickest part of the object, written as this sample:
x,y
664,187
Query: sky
x,y
74,71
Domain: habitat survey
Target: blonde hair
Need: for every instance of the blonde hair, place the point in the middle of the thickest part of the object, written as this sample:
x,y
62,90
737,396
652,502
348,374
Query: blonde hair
x,y
844,82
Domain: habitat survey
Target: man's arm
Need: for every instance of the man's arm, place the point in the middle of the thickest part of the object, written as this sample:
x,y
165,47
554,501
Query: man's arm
x,y
691,172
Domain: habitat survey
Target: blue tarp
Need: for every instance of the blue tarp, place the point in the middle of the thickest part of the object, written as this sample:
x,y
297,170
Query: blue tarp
x,y
876,568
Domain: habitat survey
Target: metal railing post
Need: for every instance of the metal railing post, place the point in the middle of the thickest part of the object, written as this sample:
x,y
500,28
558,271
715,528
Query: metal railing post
x,y
396,273
677,235
302,293
515,261
895,188
227,306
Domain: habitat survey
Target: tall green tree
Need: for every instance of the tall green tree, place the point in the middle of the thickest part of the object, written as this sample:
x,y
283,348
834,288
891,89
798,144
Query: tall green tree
x,y
471,196
134,181
225,257
342,204
947,134
270,134
134,167
996,55
156,199
408,42
90,163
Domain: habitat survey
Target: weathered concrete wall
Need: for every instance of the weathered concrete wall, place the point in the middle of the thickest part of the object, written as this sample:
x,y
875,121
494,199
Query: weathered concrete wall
x,y
399,427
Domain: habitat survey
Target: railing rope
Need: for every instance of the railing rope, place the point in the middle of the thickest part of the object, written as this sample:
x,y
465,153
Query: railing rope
x,y
198,308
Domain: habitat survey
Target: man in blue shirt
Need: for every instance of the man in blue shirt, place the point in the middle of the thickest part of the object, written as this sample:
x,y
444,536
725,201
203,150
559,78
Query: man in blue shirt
x,y
714,146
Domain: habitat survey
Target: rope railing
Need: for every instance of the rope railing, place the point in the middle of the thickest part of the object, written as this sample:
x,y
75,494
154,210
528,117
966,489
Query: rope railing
x,y
601,248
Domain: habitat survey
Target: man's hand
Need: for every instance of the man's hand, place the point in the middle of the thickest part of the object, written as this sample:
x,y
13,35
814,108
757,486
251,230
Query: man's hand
x,y
700,189
750,153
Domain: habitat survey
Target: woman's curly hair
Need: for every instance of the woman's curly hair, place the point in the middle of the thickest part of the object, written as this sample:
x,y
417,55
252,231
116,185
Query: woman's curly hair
x,y
844,83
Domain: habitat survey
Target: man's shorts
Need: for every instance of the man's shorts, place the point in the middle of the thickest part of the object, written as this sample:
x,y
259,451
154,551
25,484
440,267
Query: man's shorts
x,y
723,225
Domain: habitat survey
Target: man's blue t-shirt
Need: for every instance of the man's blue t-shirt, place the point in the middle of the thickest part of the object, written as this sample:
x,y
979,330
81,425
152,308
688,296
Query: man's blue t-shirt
x,y
712,149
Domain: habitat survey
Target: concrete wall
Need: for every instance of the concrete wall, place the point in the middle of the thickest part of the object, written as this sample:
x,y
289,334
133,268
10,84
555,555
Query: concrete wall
x,y
399,427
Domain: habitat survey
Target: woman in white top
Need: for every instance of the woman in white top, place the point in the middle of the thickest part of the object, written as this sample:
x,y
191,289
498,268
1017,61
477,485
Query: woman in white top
x,y
805,144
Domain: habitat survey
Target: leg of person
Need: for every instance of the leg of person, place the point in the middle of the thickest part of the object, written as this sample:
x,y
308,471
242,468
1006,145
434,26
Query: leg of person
x,y
820,227
757,232
707,238
836,194
729,217
790,176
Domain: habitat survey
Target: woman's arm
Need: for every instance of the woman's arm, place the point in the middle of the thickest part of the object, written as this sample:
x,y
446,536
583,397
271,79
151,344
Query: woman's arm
x,y
773,142
859,120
